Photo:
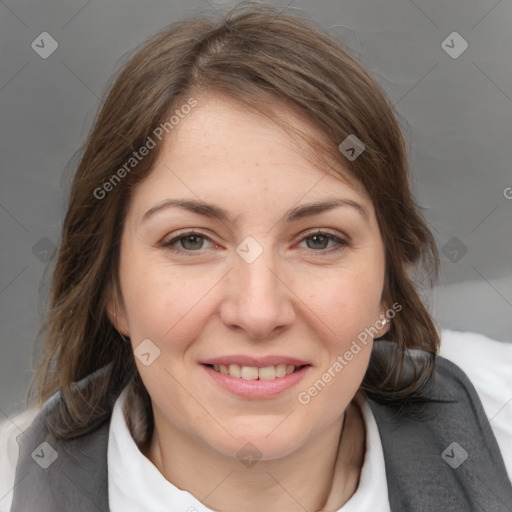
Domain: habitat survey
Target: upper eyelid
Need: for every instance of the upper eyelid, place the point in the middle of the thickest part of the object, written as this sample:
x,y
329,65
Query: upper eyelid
x,y
178,236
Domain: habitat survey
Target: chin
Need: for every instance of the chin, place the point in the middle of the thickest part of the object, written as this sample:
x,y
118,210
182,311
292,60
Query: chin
x,y
258,445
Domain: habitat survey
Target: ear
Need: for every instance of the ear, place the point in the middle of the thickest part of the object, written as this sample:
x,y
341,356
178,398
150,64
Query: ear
x,y
388,312
383,322
116,314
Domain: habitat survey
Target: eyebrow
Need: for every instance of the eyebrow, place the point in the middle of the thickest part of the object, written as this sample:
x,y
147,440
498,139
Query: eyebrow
x,y
215,212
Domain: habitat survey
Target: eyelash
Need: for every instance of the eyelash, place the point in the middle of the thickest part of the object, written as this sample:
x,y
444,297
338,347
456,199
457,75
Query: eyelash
x,y
342,244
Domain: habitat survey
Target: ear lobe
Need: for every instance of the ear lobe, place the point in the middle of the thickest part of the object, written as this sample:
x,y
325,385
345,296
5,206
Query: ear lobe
x,y
116,316
382,323
384,329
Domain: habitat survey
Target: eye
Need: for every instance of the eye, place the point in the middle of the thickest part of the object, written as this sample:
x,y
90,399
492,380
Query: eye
x,y
319,241
189,242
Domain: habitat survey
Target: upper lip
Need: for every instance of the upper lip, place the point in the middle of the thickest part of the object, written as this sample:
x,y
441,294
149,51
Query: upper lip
x,y
259,362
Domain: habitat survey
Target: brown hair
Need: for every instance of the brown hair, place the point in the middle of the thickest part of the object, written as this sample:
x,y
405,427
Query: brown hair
x,y
252,54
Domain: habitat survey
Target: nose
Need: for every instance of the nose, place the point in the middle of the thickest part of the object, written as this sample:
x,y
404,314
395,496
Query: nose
x,y
258,299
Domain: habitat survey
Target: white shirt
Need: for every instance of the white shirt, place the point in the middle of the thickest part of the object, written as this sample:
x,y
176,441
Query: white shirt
x,y
135,484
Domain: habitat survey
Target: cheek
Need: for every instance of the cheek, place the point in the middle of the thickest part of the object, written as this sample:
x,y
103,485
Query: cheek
x,y
165,304
349,307
149,293
327,395
347,302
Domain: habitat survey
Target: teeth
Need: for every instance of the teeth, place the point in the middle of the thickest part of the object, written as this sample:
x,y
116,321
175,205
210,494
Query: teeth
x,y
267,373
249,373
280,370
253,373
234,370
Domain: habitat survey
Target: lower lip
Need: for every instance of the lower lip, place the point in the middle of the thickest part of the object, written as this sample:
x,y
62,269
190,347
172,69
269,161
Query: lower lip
x,y
256,388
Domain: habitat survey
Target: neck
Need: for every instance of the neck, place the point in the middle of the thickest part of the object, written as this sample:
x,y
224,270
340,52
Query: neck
x,y
321,475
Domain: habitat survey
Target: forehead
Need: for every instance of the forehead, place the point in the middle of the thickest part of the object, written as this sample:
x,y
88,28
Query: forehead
x,y
224,151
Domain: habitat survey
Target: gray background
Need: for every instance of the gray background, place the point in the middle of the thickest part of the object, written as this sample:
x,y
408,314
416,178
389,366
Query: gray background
x,y
456,112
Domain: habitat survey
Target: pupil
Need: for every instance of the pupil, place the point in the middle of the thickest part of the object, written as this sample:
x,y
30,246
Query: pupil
x,y
198,242
322,238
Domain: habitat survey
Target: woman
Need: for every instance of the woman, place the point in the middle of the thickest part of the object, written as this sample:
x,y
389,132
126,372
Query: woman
x,y
240,231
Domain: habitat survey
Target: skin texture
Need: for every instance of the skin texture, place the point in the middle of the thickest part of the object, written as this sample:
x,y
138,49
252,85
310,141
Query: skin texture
x,y
300,298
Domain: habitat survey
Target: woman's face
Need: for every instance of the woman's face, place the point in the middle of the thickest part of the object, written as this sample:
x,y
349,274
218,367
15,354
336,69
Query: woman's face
x,y
254,289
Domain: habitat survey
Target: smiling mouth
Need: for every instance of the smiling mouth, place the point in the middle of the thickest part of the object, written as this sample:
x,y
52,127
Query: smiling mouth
x,y
254,372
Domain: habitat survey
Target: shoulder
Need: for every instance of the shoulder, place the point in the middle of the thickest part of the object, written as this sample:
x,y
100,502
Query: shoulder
x,y
449,426
10,429
477,354
487,363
